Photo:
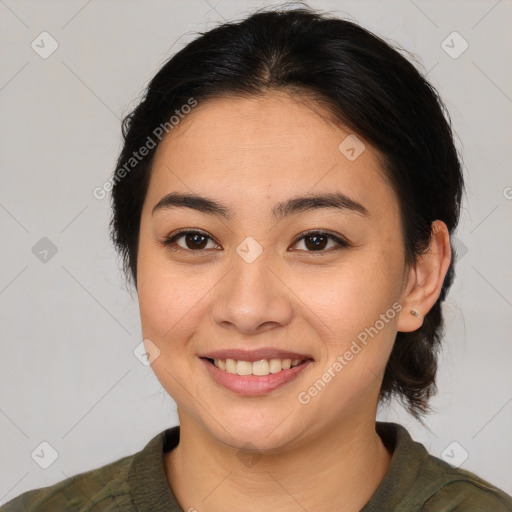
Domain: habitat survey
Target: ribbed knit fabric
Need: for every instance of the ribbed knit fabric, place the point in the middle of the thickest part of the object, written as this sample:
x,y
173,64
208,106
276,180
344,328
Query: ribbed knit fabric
x,y
415,481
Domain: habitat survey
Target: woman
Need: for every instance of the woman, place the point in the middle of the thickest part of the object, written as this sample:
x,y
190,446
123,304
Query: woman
x,y
284,202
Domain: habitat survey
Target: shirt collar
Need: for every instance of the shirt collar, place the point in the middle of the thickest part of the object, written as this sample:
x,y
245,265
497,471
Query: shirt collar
x,y
151,491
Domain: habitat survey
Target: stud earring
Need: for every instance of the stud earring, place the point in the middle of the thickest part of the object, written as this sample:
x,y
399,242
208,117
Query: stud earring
x,y
415,313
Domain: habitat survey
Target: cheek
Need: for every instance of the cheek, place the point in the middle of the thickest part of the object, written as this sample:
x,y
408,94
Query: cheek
x,y
170,309
358,309
170,296
169,304
351,298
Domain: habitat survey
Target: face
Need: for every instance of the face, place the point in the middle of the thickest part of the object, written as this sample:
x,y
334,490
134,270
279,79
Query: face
x,y
261,277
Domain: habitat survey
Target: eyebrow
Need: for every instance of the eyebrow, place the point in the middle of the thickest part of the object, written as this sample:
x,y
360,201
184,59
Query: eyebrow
x,y
286,208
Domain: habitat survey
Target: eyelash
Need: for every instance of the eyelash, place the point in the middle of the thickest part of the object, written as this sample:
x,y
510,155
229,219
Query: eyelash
x,y
170,240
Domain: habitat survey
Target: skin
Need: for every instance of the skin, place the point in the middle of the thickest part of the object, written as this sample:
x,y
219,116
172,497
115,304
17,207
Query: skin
x,y
249,154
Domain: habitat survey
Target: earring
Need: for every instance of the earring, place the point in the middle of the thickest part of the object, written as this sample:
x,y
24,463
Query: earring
x,y
415,313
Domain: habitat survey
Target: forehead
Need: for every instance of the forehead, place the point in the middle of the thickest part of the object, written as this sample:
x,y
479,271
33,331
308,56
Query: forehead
x,y
274,144
275,126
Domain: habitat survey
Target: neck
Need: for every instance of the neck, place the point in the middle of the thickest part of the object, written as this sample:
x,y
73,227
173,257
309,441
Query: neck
x,y
339,470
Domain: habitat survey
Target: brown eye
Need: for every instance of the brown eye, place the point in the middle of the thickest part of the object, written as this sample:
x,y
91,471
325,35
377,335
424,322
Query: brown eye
x,y
190,241
195,241
317,241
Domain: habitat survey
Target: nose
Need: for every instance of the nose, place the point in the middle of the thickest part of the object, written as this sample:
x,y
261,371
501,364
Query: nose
x,y
252,297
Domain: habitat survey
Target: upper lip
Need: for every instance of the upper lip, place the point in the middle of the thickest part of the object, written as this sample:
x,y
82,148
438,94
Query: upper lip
x,y
254,355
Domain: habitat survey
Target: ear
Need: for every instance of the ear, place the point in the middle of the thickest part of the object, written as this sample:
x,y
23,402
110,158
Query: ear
x,y
425,279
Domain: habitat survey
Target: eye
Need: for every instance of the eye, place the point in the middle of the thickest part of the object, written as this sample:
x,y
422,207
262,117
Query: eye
x,y
196,241
193,240
317,241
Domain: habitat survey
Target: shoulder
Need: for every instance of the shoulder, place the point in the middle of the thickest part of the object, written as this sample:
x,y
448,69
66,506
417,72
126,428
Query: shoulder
x,y
460,490
112,487
419,481
468,494
97,489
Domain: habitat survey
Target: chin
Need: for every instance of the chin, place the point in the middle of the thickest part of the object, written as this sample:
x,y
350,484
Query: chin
x,y
264,433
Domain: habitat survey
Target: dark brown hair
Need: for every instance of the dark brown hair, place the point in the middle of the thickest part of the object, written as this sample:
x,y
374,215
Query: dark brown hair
x,y
364,83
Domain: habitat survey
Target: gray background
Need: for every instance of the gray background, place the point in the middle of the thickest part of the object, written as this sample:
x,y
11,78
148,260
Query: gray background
x,y
68,374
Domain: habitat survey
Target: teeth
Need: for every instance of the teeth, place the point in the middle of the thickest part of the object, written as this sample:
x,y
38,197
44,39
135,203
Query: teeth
x,y
244,368
262,367
230,365
275,365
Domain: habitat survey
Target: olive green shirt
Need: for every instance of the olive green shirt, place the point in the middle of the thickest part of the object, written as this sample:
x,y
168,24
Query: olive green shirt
x,y
415,481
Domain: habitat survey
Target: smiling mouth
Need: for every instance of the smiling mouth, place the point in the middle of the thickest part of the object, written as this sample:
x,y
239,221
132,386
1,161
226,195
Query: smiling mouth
x,y
259,368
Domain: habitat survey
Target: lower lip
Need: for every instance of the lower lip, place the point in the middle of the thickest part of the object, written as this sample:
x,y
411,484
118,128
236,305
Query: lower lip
x,y
253,385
